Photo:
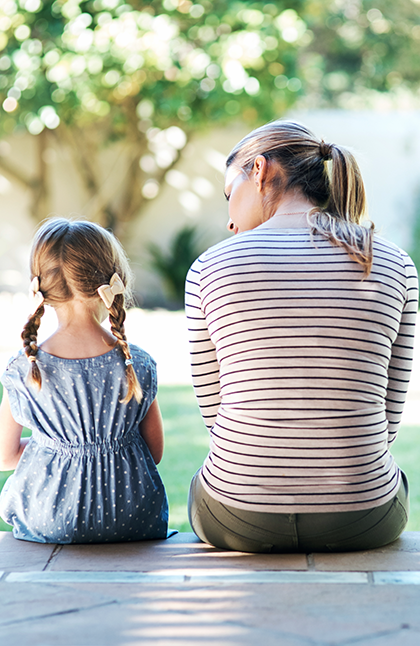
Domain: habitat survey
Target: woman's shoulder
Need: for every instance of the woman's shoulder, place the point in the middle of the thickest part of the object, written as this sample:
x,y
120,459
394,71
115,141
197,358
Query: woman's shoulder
x,y
229,245
385,249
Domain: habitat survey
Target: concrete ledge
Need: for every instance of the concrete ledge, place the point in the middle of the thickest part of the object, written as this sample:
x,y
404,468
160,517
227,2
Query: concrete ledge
x,y
184,552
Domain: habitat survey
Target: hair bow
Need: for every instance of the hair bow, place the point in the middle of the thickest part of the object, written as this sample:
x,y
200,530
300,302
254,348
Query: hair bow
x,y
108,292
36,296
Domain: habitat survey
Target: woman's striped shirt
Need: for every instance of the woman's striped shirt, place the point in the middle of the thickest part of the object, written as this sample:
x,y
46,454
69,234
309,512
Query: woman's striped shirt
x,y
301,369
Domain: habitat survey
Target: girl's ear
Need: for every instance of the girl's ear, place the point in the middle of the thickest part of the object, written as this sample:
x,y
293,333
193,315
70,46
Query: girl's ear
x,y
259,171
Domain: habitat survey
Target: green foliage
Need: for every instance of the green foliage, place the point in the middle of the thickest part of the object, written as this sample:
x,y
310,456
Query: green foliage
x,y
81,62
415,240
172,265
186,447
406,452
172,61
151,73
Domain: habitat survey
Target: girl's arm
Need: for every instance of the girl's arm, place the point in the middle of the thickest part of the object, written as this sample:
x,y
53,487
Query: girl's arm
x,y
11,442
151,429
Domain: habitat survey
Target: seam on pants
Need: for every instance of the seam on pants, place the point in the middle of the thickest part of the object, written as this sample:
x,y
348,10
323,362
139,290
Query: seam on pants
x,y
260,542
373,529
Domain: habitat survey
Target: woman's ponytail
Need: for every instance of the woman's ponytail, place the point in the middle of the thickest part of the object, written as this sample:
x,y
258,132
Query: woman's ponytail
x,y
347,191
339,221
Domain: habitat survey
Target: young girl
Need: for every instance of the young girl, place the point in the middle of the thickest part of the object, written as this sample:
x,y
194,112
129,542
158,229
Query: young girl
x,y
88,473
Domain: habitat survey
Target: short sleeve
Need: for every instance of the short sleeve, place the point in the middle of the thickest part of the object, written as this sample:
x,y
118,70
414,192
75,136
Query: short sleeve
x,y
13,380
146,371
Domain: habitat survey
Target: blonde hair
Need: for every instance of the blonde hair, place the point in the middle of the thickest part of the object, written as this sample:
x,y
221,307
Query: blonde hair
x,y
326,174
77,257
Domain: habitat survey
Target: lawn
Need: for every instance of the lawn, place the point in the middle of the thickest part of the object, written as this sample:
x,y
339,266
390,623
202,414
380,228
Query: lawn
x,y
186,445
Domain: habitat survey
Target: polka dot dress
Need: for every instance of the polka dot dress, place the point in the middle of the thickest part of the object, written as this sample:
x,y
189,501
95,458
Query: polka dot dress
x,y
87,475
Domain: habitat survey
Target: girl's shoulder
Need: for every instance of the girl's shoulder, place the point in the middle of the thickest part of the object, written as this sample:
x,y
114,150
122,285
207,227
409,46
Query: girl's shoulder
x,y
18,364
16,371
138,354
17,361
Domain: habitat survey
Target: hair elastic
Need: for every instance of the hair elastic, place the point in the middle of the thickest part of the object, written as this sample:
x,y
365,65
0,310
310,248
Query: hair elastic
x,y
325,150
128,362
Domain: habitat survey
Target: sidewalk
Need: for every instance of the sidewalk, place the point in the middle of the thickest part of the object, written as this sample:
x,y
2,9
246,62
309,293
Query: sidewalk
x,y
181,591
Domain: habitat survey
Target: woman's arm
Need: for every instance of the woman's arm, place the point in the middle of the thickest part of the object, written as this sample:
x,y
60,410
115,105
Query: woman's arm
x,y
11,442
399,369
151,429
205,367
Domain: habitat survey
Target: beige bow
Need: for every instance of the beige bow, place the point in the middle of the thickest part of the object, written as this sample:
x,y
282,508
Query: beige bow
x,y
36,296
108,292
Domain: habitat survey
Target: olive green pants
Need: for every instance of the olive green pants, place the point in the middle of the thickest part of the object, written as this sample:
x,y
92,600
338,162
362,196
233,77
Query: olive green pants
x,y
250,531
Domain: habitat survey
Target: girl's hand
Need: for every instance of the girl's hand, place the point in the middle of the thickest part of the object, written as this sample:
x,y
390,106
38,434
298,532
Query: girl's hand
x,y
11,443
151,429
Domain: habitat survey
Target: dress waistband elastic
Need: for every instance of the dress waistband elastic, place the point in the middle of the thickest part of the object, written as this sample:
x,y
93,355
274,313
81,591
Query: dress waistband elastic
x,y
88,448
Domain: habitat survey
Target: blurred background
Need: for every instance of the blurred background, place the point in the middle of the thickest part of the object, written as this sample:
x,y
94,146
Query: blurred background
x,y
124,112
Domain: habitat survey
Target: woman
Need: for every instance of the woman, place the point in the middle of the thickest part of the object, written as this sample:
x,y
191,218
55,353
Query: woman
x,y
301,333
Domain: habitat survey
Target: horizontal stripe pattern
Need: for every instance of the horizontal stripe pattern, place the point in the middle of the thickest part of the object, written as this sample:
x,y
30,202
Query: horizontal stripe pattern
x,y
301,368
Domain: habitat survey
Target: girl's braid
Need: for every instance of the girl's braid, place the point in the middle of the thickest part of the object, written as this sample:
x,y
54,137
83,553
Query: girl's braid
x,y
30,337
117,318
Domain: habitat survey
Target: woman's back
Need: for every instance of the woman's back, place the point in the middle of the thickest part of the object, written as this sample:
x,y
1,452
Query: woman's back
x,y
303,346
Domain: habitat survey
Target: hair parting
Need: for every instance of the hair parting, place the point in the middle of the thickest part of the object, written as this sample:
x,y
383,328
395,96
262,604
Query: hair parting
x,y
326,174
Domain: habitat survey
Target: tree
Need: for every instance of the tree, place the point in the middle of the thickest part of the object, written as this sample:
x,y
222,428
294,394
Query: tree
x,y
150,74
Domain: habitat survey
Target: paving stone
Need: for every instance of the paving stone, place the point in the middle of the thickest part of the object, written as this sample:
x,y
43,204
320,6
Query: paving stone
x,y
179,551
335,614
146,615
223,576
400,637
34,602
396,578
22,555
402,554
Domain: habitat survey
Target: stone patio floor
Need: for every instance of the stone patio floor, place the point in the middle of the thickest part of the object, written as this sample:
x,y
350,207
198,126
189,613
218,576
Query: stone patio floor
x,y
183,592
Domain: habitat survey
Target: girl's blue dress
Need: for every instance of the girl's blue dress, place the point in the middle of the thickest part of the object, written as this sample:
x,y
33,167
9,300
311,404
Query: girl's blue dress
x,y
87,475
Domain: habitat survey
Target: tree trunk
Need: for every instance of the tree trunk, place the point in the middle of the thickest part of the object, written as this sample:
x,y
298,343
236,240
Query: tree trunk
x,y
40,201
38,183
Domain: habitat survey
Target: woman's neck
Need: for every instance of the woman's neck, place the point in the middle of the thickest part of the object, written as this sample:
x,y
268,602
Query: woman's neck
x,y
291,213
